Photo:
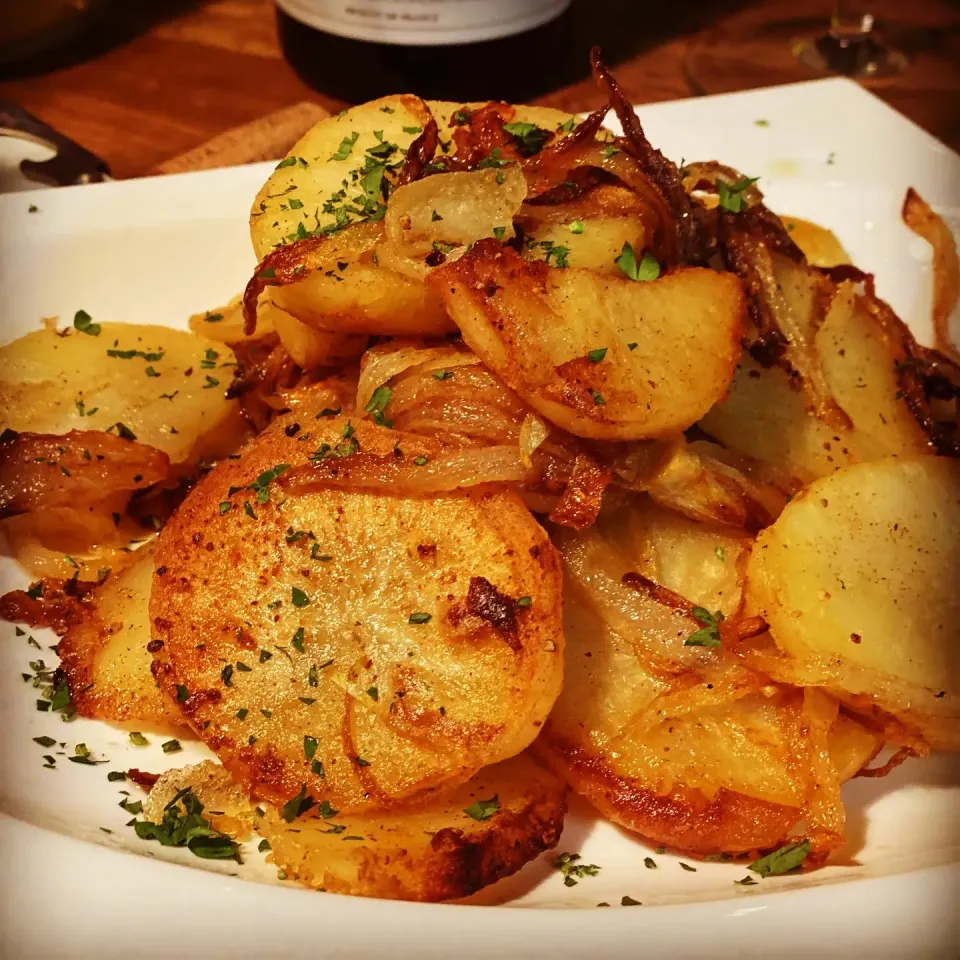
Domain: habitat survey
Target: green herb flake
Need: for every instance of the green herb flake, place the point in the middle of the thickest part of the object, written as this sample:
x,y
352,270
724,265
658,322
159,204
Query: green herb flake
x,y
420,617
576,226
598,397
226,675
44,741
83,322
719,553
442,374
650,863
297,641
499,233
286,162
731,195
310,747
182,693
373,694
435,216
298,805
781,861
483,809
138,739
171,746
412,129
572,870
420,461
242,713
376,406
225,506
709,634
687,867
116,776
747,881
595,356
761,123
298,598
183,825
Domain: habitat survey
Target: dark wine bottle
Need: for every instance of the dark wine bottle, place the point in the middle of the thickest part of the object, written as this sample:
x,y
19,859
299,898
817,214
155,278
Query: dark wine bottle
x,y
460,50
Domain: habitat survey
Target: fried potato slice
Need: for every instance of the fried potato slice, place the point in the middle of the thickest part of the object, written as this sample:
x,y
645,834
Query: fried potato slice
x,y
435,851
681,743
105,658
334,177
311,348
668,347
859,576
362,647
820,246
225,323
166,387
76,469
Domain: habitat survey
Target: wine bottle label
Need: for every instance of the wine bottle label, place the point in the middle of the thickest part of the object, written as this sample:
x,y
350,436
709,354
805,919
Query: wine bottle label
x,y
424,22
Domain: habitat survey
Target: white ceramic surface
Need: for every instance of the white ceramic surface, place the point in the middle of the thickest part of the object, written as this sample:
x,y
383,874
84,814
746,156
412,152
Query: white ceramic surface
x,y
154,251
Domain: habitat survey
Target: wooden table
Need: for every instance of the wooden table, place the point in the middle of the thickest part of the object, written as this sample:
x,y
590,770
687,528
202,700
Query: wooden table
x,y
169,75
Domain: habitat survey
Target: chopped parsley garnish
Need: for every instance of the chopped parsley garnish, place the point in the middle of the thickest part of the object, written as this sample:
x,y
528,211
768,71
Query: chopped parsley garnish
x,y
211,382
731,195
435,216
687,867
595,356
442,374
123,431
81,754
412,129
360,762
138,739
376,406
242,714
646,269
298,598
264,846
286,162
213,317
298,805
297,641
626,901
373,693
499,232
115,776
294,204
420,617
567,125
83,322
483,809
420,461
310,747
44,741
650,863
573,871
183,825
576,226
171,746
528,136
709,634
719,553
787,858
555,251
261,486
597,397
182,693
226,675
761,123
225,506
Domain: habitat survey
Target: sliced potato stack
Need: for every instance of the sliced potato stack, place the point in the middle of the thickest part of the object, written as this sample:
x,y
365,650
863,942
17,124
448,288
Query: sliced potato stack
x,y
102,409
660,728
858,581
357,647
105,658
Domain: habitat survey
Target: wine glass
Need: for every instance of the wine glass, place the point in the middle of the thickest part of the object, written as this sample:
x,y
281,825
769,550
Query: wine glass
x,y
771,44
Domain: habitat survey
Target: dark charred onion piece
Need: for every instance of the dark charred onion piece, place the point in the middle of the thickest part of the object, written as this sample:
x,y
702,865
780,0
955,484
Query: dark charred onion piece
x,y
557,157
475,140
576,183
266,370
923,221
694,239
283,266
485,601
419,154
59,605
582,497
404,476
41,471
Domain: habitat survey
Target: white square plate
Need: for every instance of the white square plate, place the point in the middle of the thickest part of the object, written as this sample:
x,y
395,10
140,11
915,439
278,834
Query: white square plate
x,y
154,251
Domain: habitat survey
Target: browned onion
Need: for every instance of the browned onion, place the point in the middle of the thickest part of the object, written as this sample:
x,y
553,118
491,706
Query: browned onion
x,y
403,476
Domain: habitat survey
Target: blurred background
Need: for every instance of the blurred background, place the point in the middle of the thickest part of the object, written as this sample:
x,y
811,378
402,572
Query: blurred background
x,y
160,85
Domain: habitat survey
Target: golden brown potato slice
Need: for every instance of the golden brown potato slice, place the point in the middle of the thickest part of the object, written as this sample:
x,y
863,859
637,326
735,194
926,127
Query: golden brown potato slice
x,y
165,387
363,647
310,348
820,245
858,576
334,177
225,324
679,742
601,356
105,657
337,149
449,846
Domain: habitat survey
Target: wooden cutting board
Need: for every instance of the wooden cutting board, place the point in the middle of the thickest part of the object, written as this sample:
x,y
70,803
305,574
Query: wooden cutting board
x,y
268,138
